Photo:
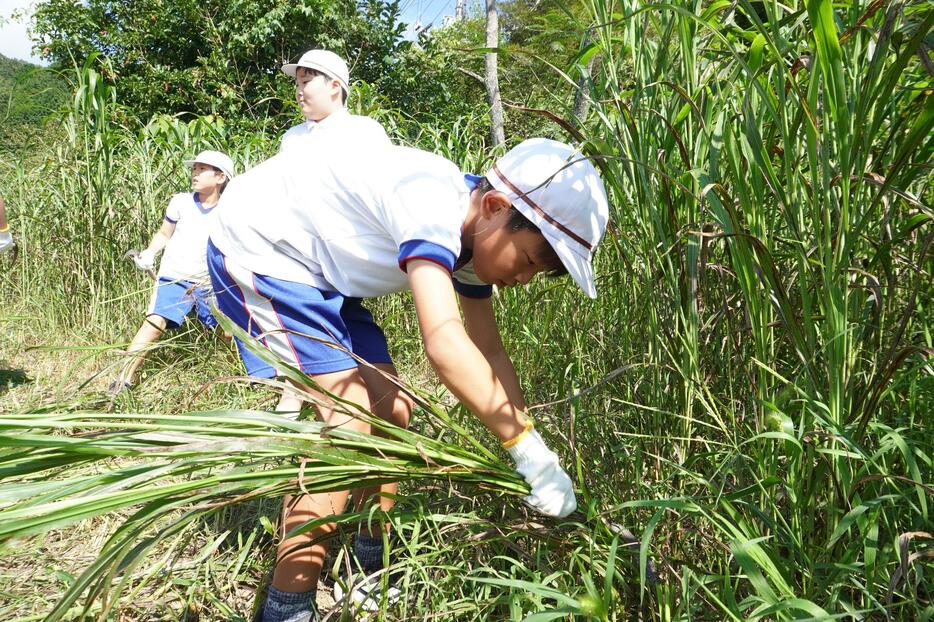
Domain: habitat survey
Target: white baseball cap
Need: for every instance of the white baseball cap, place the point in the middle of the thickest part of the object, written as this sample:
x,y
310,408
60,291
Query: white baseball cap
x,y
215,159
326,62
557,188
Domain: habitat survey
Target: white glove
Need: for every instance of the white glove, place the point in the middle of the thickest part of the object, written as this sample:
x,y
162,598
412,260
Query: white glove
x,y
552,490
144,260
6,241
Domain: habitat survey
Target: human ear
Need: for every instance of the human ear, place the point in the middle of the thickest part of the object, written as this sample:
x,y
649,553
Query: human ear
x,y
494,202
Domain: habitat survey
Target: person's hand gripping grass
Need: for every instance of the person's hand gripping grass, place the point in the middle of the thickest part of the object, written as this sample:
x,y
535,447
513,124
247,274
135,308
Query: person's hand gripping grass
x,y
552,490
144,260
468,356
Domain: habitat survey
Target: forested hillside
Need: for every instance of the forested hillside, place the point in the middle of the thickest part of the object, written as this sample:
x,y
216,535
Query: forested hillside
x,y
30,94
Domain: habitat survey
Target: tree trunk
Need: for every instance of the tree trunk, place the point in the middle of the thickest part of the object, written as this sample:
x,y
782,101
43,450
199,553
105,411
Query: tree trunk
x,y
492,76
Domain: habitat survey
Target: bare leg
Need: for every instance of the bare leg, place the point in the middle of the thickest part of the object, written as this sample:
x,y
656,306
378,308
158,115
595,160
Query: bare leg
x,y
298,564
152,328
291,402
393,405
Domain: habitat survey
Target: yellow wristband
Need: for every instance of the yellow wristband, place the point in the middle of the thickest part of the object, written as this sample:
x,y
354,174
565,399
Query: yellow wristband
x,y
529,424
3,229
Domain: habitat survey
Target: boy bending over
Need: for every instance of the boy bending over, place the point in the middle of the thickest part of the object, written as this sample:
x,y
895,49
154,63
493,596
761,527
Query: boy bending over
x,y
346,221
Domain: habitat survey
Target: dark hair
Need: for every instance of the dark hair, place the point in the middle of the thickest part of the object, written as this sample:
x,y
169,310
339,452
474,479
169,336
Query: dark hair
x,y
315,73
223,187
518,222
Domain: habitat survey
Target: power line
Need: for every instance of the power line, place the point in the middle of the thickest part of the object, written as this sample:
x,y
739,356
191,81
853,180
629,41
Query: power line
x,y
440,11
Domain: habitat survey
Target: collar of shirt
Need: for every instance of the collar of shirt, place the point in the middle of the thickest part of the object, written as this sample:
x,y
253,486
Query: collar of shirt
x,y
204,209
466,254
332,119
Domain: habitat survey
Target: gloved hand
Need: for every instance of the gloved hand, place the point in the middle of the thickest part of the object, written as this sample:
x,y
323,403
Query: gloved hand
x,y
552,489
6,241
144,260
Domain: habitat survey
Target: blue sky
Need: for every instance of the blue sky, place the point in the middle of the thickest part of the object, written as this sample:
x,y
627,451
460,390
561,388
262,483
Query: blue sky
x,y
425,11
15,44
13,40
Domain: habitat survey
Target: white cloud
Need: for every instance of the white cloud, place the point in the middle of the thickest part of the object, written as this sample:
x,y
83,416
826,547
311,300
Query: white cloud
x,y
14,41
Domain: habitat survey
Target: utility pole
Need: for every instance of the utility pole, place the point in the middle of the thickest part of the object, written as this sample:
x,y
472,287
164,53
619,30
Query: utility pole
x,y
491,79
460,10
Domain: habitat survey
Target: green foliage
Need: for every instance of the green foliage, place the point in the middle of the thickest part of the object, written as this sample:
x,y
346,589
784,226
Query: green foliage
x,y
30,94
771,186
215,57
536,38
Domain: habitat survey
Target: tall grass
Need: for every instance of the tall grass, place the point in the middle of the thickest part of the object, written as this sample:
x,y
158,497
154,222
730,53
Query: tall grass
x,y
777,182
751,394
99,191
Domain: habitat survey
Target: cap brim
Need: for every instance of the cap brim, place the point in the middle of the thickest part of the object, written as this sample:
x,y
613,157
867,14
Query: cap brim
x,y
292,68
578,266
222,169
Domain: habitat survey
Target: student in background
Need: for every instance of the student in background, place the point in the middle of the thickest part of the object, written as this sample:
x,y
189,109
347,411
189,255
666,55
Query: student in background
x,y
322,83
182,281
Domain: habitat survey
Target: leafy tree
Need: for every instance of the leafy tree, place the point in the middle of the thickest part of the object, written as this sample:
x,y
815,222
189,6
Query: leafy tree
x,y
535,40
215,56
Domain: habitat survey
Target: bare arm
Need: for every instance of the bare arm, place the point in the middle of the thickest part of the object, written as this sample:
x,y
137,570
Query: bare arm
x,y
476,369
161,238
484,332
3,224
459,363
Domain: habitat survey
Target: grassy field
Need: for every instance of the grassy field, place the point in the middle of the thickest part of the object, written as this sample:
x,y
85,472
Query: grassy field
x,y
751,395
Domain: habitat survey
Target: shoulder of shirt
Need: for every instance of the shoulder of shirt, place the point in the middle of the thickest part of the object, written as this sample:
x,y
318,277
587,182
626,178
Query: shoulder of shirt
x,y
360,118
180,203
411,155
301,128
365,122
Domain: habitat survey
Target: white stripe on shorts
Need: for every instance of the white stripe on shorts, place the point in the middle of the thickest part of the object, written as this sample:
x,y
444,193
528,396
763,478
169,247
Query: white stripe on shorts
x,y
262,315
152,300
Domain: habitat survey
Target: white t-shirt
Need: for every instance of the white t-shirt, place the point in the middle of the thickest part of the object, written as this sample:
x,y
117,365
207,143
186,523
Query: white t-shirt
x,y
363,127
185,255
346,216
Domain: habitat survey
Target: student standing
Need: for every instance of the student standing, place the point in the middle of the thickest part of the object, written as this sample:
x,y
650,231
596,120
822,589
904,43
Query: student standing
x,y
321,89
346,221
182,281
322,84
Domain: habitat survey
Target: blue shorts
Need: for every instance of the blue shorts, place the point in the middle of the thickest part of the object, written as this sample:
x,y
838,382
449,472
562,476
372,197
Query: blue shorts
x,y
173,300
306,327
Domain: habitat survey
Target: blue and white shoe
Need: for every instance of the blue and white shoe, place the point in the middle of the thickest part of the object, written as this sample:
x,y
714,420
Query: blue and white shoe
x,y
365,591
